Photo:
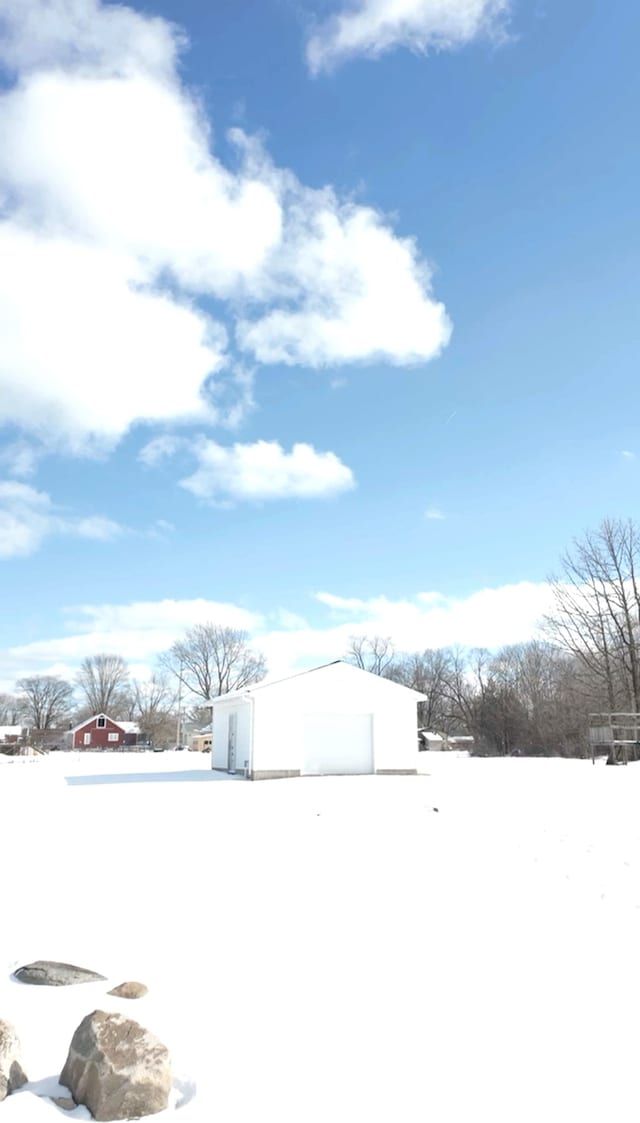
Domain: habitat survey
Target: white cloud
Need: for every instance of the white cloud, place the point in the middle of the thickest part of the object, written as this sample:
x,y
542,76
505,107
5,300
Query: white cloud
x,y
486,618
28,517
434,513
159,449
371,27
149,617
117,218
98,528
19,458
140,631
264,470
627,454
356,291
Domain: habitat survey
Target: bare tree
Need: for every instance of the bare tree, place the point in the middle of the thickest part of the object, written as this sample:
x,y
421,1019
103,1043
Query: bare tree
x,y
103,681
371,653
9,709
429,672
596,612
213,660
154,708
45,700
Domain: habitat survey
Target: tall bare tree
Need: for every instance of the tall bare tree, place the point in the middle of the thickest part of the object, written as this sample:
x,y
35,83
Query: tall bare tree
x,y
371,653
429,672
213,660
45,700
596,611
104,684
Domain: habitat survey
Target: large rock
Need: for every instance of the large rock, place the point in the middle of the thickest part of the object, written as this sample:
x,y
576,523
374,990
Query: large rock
x,y
129,990
116,1068
48,973
12,1075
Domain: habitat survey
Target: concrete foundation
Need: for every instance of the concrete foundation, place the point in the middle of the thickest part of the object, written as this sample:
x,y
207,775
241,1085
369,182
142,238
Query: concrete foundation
x,y
396,771
274,774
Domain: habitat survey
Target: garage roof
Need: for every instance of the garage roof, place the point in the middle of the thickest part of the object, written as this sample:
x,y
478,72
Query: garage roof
x,y
247,691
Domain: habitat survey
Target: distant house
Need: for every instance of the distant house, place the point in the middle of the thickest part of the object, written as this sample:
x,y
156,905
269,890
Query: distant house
x,y
201,742
330,720
428,740
461,742
11,734
441,742
102,732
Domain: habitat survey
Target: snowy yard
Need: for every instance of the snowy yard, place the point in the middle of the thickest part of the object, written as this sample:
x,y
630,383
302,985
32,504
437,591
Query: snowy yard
x,y
333,949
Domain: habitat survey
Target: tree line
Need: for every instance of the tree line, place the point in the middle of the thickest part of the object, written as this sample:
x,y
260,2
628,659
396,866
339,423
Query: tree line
x,y
536,697
532,697
522,698
209,660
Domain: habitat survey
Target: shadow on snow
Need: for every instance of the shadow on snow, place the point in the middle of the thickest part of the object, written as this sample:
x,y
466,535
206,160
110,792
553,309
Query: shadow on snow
x,y
152,778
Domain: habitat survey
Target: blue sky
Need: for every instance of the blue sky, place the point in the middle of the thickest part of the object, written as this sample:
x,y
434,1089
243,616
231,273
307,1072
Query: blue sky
x,y
229,270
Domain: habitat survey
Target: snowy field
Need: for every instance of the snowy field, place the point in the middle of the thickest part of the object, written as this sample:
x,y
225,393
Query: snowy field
x,y
333,949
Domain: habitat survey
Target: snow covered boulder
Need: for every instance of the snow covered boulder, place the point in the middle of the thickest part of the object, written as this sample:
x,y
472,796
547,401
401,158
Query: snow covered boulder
x,y
116,1068
12,1075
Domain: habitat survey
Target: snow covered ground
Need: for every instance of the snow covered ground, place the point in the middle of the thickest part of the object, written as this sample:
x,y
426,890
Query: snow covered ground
x,y
333,949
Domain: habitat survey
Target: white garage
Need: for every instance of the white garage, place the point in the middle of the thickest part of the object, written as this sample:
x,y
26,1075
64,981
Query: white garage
x,y
331,720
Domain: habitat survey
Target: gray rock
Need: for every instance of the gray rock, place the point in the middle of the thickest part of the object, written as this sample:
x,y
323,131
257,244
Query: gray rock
x,y
130,990
66,1103
116,1068
48,973
12,1075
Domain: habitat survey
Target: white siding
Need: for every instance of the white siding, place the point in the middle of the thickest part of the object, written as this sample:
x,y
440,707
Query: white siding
x,y
396,736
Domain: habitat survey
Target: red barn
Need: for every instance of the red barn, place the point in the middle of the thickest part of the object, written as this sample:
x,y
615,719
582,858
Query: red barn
x,y
101,732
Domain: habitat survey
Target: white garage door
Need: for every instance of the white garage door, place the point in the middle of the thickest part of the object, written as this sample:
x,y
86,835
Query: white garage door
x,y
337,743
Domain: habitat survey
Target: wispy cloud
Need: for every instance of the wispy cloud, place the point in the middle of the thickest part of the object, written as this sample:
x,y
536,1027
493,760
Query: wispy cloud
x,y
28,517
434,513
371,27
20,459
161,448
628,455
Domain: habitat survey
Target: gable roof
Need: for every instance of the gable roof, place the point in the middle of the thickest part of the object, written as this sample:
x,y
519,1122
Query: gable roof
x,y
247,691
125,726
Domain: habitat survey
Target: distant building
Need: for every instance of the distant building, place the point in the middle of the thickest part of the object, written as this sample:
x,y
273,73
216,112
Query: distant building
x,y
11,734
201,742
102,732
441,742
462,742
434,742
